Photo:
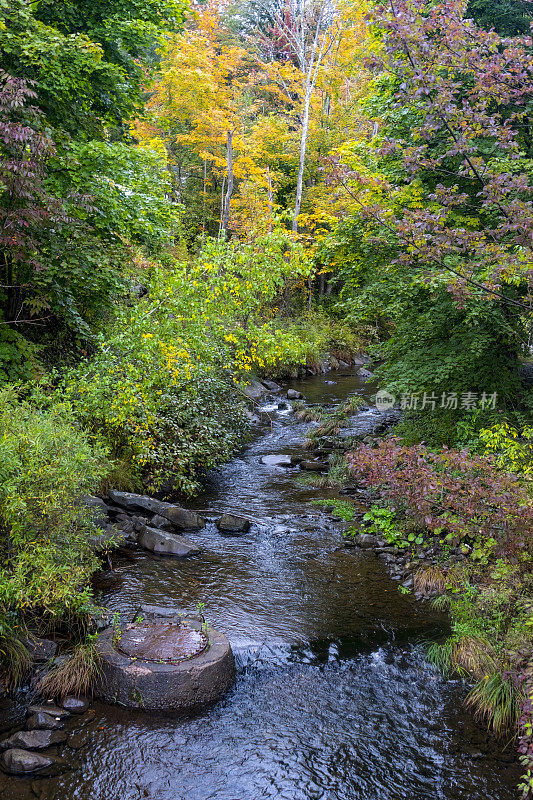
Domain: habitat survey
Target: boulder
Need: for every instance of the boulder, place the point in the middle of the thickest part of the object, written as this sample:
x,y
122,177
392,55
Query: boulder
x,y
76,705
96,503
148,611
42,721
33,740
49,708
367,540
365,373
180,517
161,522
277,460
271,386
314,466
294,394
40,649
167,544
253,390
135,502
231,523
343,364
22,762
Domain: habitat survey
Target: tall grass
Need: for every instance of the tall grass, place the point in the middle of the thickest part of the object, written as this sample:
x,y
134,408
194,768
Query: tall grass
x,y
495,700
76,675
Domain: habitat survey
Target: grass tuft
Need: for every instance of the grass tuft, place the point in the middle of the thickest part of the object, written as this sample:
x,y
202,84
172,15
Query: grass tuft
x,y
76,675
429,580
15,661
464,653
495,701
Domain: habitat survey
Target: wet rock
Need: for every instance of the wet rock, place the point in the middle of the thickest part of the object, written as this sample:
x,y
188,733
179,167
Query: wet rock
x,y
109,534
277,460
167,544
178,516
33,740
146,610
293,394
231,523
360,361
134,502
181,517
271,386
343,364
49,708
42,721
77,741
367,540
365,373
254,390
314,466
76,705
95,503
40,649
161,522
23,762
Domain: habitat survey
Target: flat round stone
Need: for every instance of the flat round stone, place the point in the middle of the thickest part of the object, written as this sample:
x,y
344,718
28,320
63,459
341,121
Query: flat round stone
x,y
165,641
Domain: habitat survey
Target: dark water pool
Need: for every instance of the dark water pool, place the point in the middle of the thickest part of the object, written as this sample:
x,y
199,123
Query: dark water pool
x,y
333,698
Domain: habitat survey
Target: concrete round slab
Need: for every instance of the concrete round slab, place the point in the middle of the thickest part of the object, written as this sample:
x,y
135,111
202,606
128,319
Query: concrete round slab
x,y
158,641
164,664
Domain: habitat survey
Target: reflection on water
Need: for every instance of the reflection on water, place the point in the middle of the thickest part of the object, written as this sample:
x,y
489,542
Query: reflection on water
x,y
333,699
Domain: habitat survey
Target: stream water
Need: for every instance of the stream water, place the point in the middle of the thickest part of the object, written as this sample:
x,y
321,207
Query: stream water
x,y
333,699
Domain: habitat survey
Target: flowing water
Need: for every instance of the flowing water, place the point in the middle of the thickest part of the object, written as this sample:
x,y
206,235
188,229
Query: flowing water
x,y
333,698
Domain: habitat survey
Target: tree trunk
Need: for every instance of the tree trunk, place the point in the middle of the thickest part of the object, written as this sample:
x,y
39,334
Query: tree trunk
x,y
303,148
229,190
270,200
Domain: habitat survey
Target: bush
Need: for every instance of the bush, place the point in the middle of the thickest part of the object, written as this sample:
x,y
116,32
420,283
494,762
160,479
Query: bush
x,y
162,391
448,492
512,447
46,466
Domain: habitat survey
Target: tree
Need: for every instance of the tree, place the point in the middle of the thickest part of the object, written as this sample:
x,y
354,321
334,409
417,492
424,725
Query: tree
x,y
90,62
302,33
455,124
507,17
204,103
71,202
25,206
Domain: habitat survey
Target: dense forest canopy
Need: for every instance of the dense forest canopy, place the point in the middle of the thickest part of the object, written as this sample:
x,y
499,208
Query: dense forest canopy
x,y
195,195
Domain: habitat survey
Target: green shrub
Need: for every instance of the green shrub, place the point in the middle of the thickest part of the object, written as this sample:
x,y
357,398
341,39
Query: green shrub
x,y
46,466
162,391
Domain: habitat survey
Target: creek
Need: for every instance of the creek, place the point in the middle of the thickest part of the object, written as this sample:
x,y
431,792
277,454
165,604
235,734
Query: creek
x,y
333,698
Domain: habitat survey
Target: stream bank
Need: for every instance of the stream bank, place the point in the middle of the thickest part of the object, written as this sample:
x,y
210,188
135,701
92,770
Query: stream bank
x,y
333,698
